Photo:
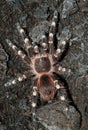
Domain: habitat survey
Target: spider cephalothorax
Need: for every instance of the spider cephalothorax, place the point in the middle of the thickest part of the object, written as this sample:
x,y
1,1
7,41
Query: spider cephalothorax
x,y
41,61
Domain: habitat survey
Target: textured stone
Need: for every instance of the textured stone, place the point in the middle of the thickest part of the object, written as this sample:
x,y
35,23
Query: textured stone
x,y
54,117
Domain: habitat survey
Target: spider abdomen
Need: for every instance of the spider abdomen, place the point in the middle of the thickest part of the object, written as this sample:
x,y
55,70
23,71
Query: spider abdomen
x,y
42,64
46,86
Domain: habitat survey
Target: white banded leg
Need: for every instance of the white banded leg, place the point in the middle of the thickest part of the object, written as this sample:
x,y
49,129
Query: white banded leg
x,y
52,32
61,46
36,49
18,52
44,44
63,96
27,41
61,70
19,78
15,80
34,103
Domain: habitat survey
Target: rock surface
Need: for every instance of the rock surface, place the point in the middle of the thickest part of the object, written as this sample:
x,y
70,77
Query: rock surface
x,y
55,117
36,15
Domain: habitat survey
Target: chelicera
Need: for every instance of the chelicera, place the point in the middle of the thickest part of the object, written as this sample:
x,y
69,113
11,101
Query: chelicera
x,y
41,62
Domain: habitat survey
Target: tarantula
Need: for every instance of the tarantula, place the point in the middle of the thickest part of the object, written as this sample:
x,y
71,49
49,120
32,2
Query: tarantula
x,y
42,62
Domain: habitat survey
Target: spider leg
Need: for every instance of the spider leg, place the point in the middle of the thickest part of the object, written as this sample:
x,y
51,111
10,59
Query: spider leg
x,y
44,45
52,32
61,47
62,70
19,78
18,52
62,93
34,103
27,42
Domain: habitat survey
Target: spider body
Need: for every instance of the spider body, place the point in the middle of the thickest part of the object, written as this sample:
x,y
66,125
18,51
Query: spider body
x,y
41,61
42,68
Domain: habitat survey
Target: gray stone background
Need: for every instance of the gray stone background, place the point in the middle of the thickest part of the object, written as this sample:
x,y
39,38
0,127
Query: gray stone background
x,y
15,101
